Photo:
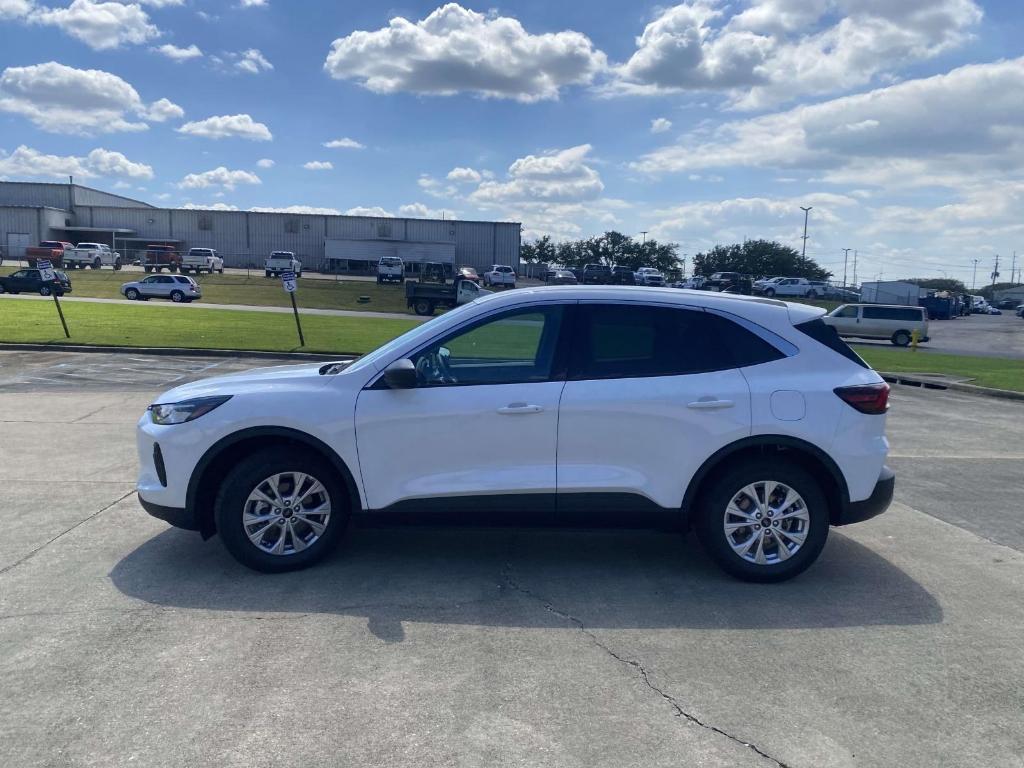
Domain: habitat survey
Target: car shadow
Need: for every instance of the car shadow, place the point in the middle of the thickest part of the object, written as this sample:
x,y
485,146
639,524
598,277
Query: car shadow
x,y
529,578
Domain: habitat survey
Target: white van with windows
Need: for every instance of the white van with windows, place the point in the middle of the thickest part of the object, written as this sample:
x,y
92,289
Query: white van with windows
x,y
894,322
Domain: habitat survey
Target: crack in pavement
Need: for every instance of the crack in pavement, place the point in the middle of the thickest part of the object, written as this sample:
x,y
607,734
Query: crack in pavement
x,y
45,544
636,665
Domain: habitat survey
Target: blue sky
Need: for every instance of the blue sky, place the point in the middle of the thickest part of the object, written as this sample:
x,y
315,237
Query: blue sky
x,y
900,121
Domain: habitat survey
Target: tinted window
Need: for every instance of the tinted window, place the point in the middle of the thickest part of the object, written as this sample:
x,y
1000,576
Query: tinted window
x,y
517,346
845,312
827,335
623,341
908,314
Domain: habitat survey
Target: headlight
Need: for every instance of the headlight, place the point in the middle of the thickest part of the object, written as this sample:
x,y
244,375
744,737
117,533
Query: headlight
x,y
186,410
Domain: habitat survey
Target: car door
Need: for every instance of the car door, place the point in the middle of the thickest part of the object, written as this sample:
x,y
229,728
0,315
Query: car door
x,y
480,428
846,320
156,286
651,393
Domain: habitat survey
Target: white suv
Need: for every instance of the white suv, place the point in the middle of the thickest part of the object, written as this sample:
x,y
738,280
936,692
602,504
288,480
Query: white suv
x,y
747,419
500,274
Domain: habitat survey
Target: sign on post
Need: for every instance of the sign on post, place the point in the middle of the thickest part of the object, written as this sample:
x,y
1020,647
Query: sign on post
x,y
48,275
288,281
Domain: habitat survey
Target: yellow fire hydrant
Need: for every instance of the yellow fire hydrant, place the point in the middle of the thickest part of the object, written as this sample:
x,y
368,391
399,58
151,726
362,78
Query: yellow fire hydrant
x,y
915,336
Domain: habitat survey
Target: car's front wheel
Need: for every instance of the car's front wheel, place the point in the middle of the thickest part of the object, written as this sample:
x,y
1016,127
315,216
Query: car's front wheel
x,y
769,292
44,290
177,297
764,521
901,338
131,294
281,510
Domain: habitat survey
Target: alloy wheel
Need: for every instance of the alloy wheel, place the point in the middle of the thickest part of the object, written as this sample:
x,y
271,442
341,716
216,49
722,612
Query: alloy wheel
x,y
286,513
766,522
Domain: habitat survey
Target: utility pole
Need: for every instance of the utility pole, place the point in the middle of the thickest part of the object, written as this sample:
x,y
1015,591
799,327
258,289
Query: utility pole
x,y
644,233
1013,268
974,276
806,211
855,268
995,274
846,256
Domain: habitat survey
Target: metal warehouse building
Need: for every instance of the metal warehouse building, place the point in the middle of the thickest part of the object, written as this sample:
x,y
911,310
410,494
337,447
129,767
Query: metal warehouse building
x,y
30,212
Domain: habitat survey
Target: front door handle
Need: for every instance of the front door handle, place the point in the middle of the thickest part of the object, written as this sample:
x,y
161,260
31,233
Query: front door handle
x,y
513,408
709,404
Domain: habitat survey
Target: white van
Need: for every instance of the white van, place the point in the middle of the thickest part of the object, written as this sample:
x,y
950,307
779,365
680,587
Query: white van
x,y
879,321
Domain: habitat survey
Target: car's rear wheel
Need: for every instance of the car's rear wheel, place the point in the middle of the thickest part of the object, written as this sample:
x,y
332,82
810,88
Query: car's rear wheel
x,y
769,292
812,294
131,294
177,297
281,510
117,265
44,290
96,263
901,338
423,307
764,521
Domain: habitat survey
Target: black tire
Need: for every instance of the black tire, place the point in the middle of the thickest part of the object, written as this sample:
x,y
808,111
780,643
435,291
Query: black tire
x,y
148,268
901,338
812,294
379,281
243,479
2,289
220,271
177,297
423,307
117,265
267,274
710,519
96,263
769,292
45,290
131,294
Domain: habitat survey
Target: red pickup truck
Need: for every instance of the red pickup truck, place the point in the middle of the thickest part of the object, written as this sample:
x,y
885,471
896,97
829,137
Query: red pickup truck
x,y
48,249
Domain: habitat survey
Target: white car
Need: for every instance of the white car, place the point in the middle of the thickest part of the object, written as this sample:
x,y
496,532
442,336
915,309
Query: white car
x,y
748,420
177,288
500,274
201,260
282,261
94,255
649,276
795,286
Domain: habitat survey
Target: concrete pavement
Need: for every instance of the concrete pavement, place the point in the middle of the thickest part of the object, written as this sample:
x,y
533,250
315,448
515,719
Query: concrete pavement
x,y
127,642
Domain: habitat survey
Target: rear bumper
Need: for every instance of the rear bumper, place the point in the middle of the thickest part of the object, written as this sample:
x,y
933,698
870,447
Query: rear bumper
x,y
176,516
874,505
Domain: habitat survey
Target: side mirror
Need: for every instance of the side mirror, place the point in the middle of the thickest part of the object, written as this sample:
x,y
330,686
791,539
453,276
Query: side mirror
x,y
401,374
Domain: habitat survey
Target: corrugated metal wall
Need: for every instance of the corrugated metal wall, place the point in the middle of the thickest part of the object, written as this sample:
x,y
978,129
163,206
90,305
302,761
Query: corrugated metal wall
x,y
90,196
32,194
15,223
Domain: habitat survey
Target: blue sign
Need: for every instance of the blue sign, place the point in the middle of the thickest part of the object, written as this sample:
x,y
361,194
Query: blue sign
x,y
45,268
288,281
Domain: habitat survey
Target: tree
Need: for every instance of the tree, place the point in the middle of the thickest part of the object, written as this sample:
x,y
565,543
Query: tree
x,y
614,248
758,258
541,251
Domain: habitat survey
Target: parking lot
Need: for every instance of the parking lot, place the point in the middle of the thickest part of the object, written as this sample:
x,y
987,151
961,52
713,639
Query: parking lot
x,y
128,642
984,335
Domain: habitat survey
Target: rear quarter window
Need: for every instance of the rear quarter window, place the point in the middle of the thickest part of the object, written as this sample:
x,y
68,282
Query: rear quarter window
x,y
828,336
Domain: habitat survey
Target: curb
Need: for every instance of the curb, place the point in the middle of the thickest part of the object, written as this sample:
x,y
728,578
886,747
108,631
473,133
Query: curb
x,y
930,383
175,351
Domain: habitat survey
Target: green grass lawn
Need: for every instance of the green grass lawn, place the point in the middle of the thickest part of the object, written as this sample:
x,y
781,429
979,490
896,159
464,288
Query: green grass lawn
x,y
257,290
986,371
146,325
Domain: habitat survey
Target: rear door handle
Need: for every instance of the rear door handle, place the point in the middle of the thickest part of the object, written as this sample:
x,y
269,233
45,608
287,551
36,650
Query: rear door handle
x,y
709,404
513,408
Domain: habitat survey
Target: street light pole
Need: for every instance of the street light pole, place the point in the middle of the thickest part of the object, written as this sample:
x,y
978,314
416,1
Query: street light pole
x,y
846,257
806,211
974,277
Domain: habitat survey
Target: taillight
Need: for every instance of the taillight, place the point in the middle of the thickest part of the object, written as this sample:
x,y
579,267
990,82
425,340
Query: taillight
x,y
866,398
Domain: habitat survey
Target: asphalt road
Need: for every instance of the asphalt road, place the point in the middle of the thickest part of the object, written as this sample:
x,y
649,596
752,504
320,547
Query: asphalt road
x,y
127,642
983,335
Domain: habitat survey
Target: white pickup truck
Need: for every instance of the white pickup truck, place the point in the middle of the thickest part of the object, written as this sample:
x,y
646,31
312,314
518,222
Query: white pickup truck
x,y
282,261
93,255
201,260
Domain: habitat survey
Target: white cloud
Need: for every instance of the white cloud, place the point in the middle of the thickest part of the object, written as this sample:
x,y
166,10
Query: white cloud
x,y
15,9
318,165
660,125
62,99
253,3
557,176
456,50
464,176
175,53
361,210
253,62
228,126
309,209
344,143
218,177
777,50
265,162
101,26
107,163
436,188
903,135
421,211
164,109
210,207
25,161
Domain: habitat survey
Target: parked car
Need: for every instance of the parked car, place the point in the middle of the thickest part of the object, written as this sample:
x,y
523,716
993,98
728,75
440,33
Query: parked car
x,y
728,282
158,257
468,273
563,277
794,286
1020,311
841,294
990,310
199,260
622,276
764,282
597,274
649,276
1008,304
751,422
177,288
390,269
282,261
879,321
92,255
50,250
424,297
500,274
690,283
30,281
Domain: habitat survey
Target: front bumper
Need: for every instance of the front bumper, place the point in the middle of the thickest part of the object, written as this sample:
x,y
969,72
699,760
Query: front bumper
x,y
874,505
176,516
